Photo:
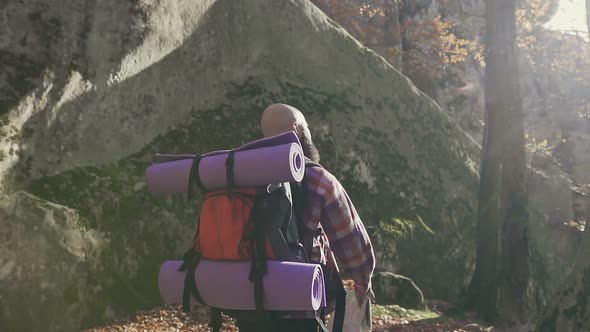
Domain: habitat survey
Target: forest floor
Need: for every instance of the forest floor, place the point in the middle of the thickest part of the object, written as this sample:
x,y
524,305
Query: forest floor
x,y
437,316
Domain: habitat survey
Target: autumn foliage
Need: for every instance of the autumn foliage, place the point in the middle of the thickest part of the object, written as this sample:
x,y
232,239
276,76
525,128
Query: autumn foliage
x,y
426,45
431,48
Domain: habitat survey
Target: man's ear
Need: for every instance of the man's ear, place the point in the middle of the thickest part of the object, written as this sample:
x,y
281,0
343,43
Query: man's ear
x,y
295,128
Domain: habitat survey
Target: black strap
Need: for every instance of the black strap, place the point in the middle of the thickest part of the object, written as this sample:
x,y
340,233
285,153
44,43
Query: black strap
x,y
194,178
259,302
229,170
258,268
191,260
279,244
191,257
340,307
279,225
215,322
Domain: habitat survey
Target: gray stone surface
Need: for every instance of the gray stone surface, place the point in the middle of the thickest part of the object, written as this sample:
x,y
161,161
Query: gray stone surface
x,y
90,91
391,288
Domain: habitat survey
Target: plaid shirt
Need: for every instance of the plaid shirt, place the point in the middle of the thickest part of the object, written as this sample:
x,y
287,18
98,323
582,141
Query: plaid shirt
x,y
331,213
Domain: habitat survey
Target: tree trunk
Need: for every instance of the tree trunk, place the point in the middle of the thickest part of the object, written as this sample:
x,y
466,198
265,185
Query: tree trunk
x,y
501,273
514,269
482,290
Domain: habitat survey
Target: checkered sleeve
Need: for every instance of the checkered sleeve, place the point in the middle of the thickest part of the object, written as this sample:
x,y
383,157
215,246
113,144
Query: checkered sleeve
x,y
347,236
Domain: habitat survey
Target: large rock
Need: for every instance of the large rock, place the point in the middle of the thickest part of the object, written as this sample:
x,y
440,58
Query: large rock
x,y
47,251
569,310
90,91
391,288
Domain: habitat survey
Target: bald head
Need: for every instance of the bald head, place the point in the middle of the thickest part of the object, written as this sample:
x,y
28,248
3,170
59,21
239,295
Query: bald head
x,y
281,118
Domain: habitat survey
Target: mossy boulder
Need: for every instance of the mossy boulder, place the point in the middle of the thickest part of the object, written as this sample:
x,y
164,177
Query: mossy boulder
x,y
391,288
569,309
47,252
110,83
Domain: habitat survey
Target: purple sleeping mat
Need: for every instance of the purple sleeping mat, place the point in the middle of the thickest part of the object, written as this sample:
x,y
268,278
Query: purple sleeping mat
x,y
257,163
288,286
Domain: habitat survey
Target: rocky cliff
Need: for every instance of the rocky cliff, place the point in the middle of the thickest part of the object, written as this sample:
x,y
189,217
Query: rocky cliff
x,y
90,91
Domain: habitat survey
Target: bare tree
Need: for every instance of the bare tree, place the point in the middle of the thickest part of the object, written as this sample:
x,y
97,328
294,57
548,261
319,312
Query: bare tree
x,y
501,274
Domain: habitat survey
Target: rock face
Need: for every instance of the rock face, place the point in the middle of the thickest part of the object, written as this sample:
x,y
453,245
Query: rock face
x,y
90,91
42,261
391,288
569,310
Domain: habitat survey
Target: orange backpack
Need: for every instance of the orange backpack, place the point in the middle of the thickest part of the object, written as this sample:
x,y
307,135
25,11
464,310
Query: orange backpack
x,y
242,224
225,228
246,224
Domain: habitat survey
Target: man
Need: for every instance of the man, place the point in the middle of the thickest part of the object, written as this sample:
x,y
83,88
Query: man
x,y
329,212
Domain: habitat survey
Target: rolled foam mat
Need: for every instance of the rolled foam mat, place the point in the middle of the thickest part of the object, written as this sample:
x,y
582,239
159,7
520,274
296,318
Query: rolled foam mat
x,y
288,286
257,163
